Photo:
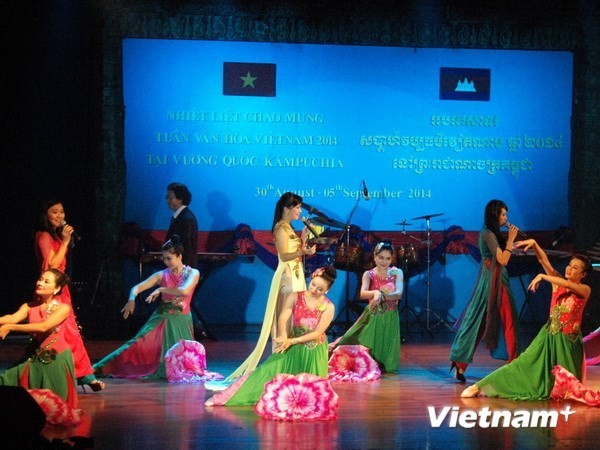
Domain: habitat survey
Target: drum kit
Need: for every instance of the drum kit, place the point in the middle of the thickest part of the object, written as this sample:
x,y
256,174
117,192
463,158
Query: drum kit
x,y
348,255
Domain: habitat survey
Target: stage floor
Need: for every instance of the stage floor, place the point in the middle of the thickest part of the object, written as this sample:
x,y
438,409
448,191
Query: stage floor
x,y
396,411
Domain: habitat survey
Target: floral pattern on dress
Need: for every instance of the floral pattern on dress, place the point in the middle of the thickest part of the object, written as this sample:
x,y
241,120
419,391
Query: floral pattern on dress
x,y
385,285
566,311
306,320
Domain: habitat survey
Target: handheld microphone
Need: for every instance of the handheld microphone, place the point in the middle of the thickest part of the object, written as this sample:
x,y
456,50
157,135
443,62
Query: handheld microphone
x,y
309,227
559,239
365,191
507,224
74,235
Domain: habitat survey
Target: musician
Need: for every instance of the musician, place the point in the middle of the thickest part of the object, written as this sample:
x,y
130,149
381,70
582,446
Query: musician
x,y
289,275
491,310
183,222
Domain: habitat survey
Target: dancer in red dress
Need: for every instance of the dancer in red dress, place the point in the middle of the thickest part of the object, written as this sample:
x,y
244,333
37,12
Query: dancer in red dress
x,y
50,365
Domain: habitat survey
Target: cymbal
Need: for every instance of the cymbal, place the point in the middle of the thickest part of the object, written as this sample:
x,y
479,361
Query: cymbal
x,y
404,223
322,240
328,222
427,216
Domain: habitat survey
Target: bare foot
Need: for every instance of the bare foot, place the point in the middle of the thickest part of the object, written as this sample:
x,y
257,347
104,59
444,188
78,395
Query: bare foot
x,y
471,391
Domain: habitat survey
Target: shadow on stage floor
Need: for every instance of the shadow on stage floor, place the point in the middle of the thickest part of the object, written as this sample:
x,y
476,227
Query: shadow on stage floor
x,y
397,411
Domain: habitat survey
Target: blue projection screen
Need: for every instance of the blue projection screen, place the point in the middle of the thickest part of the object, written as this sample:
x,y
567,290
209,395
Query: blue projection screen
x,y
430,131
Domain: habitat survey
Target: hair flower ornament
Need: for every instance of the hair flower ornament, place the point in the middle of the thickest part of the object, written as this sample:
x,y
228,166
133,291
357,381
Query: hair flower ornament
x,y
317,273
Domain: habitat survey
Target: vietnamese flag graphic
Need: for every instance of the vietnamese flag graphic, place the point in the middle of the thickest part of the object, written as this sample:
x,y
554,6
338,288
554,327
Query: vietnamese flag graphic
x,y
249,79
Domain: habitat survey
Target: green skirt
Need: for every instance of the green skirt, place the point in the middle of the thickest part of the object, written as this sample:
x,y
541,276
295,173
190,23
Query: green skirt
x,y
380,333
143,355
297,359
529,377
58,376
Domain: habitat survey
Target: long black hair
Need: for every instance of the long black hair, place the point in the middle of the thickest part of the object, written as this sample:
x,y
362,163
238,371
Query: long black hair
x,y
287,200
42,223
490,218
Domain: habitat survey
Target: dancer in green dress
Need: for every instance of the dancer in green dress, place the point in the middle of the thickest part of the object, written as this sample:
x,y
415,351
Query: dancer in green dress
x,y
378,327
50,364
491,314
559,342
143,355
303,350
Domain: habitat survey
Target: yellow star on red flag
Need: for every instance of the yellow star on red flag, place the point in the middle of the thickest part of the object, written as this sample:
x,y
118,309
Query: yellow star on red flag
x,y
248,80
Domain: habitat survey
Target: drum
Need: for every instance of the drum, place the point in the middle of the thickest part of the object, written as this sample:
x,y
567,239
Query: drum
x,y
399,254
348,257
411,256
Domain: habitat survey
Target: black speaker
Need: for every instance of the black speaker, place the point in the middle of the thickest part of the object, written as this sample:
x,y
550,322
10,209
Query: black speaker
x,y
21,418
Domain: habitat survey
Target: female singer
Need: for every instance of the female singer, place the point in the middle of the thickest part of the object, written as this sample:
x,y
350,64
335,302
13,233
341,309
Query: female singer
x,y
303,350
491,310
378,327
53,239
143,355
559,342
288,277
50,365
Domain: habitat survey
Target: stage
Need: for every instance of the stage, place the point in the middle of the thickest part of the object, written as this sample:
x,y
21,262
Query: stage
x,y
397,411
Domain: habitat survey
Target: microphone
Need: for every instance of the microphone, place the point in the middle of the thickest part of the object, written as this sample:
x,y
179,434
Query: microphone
x,y
74,235
507,224
365,191
558,240
309,227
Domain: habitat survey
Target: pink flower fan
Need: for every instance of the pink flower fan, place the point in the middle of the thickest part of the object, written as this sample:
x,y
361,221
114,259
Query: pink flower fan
x,y
352,363
57,411
185,362
568,387
298,397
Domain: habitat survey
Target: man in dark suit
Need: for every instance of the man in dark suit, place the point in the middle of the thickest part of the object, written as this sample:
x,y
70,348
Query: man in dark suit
x,y
183,222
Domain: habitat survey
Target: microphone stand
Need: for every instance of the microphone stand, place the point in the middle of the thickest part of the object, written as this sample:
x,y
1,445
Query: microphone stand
x,y
346,236
429,311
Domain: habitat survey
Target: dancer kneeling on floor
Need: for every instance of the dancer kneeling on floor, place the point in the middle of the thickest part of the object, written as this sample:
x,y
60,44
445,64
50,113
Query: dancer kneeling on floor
x,y
559,342
304,350
143,355
50,364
